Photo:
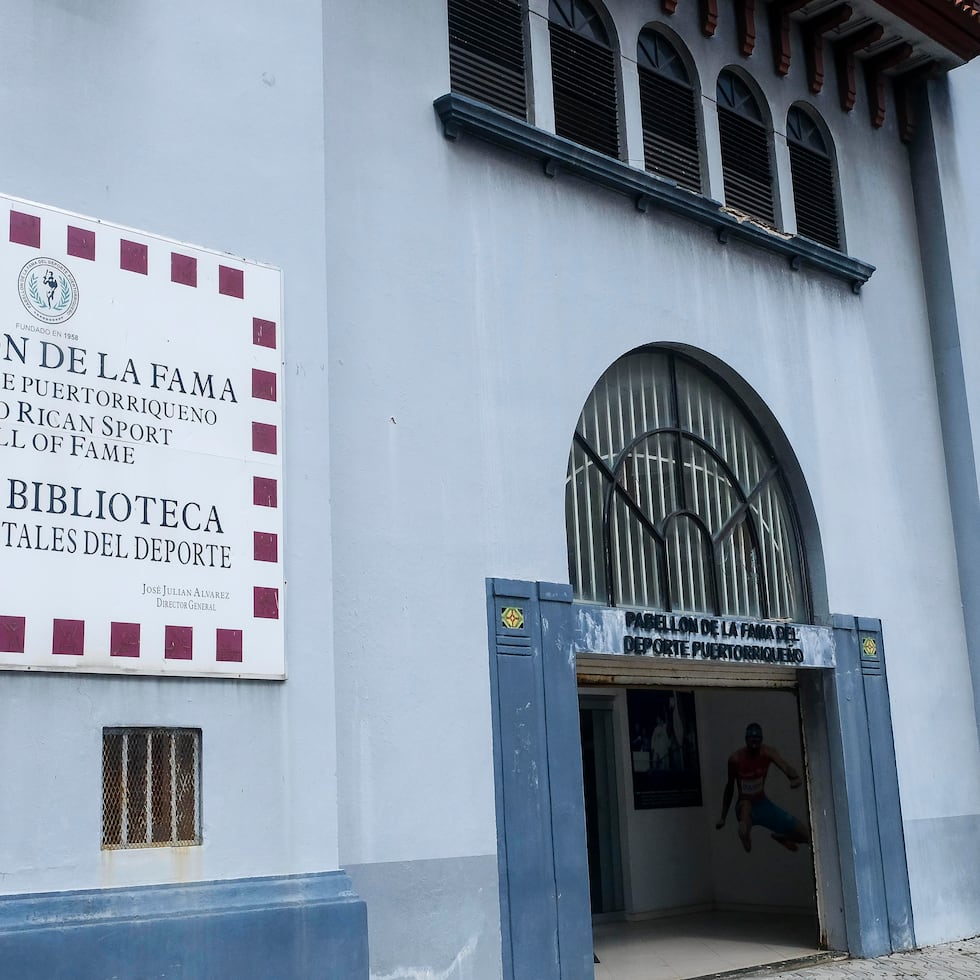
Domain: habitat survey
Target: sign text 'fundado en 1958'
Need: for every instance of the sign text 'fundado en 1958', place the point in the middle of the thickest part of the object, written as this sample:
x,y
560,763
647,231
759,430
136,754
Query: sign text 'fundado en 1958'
x,y
140,466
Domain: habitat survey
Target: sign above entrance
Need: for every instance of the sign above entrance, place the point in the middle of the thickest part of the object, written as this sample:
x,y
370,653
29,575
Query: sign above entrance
x,y
705,639
140,452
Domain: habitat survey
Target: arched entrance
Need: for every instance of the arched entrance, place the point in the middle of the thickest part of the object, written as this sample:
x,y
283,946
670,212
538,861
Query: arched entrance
x,y
696,609
679,511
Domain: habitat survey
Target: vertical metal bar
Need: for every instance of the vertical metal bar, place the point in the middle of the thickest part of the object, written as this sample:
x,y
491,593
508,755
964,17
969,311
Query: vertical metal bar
x,y
771,562
765,537
124,821
579,582
746,568
628,478
776,607
607,452
590,522
748,457
196,741
174,836
723,598
640,425
149,786
645,504
784,571
631,553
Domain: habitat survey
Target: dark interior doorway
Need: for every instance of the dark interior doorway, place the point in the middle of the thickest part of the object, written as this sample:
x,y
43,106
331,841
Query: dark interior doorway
x,y
602,829
667,885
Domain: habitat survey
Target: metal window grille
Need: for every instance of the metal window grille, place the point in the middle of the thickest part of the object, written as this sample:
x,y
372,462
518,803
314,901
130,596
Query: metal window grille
x,y
814,187
151,787
674,500
486,53
745,155
583,77
669,112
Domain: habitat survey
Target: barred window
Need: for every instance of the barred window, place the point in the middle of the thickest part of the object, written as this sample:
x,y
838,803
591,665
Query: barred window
x,y
746,160
668,104
584,76
814,186
151,787
675,501
486,53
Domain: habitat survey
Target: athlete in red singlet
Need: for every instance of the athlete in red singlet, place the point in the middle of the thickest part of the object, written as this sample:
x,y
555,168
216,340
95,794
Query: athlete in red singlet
x,y
748,769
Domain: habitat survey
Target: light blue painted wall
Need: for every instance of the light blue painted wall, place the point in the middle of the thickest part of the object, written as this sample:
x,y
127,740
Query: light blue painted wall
x,y
939,842
473,304
205,123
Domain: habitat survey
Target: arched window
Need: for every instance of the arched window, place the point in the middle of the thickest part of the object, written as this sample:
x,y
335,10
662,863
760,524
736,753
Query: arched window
x,y
584,76
745,155
675,501
668,103
814,187
486,53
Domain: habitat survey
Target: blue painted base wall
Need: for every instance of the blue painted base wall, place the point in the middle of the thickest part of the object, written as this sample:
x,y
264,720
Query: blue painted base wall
x,y
300,926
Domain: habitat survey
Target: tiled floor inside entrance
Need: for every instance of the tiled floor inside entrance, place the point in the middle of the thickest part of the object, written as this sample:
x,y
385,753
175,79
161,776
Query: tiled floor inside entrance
x,y
700,944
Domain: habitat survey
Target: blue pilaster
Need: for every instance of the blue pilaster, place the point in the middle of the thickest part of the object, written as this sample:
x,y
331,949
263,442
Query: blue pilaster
x,y
544,886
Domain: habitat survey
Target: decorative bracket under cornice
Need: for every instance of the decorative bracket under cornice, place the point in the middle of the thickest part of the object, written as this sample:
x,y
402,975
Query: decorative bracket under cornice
x,y
936,34
813,32
844,52
874,69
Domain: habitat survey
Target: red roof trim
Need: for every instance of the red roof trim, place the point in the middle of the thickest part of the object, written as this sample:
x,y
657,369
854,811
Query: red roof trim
x,y
955,24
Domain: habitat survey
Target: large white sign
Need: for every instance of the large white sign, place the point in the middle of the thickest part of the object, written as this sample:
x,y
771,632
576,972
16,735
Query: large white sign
x,y
140,452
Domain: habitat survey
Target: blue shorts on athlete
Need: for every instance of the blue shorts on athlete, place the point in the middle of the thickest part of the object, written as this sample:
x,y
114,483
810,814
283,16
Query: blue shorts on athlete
x,y
766,814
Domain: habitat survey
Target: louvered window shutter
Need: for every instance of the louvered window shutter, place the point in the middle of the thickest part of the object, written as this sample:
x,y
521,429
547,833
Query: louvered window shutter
x,y
745,157
669,109
814,188
486,53
584,78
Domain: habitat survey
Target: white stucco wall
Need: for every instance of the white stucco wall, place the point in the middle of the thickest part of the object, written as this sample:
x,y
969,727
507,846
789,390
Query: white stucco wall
x,y
474,302
203,123
470,304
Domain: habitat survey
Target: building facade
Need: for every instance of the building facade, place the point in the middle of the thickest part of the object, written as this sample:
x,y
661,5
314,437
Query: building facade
x,y
623,377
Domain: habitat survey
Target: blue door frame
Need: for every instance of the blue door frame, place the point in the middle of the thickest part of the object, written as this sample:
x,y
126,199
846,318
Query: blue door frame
x,y
546,921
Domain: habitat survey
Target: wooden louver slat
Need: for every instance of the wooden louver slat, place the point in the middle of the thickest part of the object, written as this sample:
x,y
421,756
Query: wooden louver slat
x,y
584,82
746,166
670,129
813,190
486,53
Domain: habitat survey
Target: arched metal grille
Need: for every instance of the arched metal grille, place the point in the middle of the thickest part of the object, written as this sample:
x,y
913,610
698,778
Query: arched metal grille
x,y
669,112
486,53
583,70
814,188
745,159
674,500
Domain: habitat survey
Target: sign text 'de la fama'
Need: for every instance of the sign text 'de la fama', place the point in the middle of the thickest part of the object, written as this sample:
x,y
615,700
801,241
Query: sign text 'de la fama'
x,y
76,360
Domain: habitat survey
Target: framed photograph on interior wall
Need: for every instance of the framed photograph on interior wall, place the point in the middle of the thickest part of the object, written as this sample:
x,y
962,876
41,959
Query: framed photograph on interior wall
x,y
664,749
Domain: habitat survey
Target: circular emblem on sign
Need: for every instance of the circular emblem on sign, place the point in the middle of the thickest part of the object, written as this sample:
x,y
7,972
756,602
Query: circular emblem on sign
x,y
48,290
869,647
512,617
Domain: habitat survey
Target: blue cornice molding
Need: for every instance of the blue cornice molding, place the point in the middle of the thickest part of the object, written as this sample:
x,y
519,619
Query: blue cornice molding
x,y
460,114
